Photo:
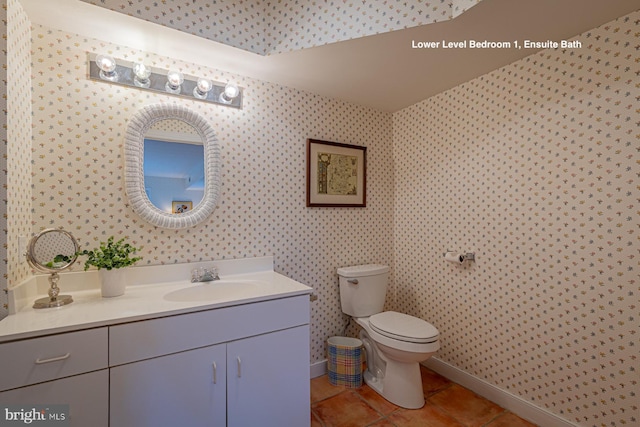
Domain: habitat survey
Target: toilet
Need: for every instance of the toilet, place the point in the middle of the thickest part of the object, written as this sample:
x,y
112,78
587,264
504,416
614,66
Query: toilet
x,y
395,343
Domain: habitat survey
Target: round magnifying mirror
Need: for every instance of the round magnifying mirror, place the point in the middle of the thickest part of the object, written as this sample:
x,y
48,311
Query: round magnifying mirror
x,y
51,251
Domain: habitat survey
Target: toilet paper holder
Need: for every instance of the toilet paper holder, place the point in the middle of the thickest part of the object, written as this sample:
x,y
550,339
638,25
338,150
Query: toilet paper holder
x,y
469,256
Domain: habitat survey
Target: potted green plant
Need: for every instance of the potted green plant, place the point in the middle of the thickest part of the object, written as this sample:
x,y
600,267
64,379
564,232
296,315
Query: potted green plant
x,y
110,259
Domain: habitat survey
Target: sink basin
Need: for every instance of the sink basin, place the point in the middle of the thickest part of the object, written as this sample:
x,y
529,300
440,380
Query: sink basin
x,y
216,290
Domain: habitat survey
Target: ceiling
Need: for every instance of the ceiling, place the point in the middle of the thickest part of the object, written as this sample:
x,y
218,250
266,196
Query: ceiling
x,y
270,27
381,71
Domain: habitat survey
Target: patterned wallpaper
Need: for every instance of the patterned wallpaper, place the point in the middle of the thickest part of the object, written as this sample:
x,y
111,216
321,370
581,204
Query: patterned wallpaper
x,y
79,128
174,126
276,27
534,167
4,271
19,133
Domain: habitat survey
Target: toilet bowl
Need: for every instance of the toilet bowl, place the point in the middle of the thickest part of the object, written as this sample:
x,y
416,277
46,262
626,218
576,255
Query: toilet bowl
x,y
395,343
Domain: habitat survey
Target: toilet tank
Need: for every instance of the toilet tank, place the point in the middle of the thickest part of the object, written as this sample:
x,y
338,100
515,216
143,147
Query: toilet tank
x,y
363,289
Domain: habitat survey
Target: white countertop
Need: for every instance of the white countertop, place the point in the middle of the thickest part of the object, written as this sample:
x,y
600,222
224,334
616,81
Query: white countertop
x,y
149,300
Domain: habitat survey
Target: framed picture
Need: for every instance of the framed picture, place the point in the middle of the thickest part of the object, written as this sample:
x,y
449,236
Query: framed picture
x,y
336,174
181,207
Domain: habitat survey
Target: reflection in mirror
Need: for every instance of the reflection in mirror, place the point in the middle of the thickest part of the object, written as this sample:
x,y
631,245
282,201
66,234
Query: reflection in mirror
x,y
173,166
50,251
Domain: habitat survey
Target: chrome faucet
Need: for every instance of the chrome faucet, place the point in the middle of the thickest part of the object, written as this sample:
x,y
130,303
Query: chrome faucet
x,y
204,274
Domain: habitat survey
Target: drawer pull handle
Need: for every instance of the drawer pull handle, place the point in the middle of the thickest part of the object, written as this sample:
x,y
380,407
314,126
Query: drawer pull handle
x,y
53,359
239,367
215,371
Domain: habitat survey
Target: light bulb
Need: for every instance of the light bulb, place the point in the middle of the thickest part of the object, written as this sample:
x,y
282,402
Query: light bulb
x,y
174,80
203,86
230,92
141,75
107,67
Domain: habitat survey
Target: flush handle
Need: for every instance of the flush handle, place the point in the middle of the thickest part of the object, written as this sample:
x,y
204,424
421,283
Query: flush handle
x,y
353,281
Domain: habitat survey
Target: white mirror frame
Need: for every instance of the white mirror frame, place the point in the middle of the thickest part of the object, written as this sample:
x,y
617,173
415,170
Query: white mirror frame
x,y
134,166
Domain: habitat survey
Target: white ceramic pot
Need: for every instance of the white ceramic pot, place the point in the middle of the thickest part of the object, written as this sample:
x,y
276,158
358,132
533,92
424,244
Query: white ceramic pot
x,y
112,282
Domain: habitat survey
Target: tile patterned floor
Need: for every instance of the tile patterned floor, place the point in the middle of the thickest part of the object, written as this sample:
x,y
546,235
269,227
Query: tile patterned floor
x,y
447,405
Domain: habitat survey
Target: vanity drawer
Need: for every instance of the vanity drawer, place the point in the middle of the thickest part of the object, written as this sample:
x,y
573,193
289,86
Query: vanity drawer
x,y
47,358
131,342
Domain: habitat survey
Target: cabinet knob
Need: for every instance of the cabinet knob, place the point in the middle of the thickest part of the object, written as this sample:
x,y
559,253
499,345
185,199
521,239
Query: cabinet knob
x,y
239,367
215,373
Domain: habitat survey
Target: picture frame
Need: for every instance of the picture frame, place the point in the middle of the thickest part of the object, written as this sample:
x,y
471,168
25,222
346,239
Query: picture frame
x,y
178,207
336,174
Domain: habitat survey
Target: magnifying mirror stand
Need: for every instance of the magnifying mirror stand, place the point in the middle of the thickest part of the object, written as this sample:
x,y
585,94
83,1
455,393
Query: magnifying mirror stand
x,y
54,299
51,251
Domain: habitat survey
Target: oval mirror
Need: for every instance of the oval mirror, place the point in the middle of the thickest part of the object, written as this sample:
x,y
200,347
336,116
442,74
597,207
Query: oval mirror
x,y
172,166
51,251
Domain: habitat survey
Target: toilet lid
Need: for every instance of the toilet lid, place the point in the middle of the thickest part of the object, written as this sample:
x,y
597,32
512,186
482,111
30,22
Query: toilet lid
x,y
403,327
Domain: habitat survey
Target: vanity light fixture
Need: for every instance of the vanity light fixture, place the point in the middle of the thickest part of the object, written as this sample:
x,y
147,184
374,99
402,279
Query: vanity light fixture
x,y
174,82
107,66
138,75
141,75
231,91
203,86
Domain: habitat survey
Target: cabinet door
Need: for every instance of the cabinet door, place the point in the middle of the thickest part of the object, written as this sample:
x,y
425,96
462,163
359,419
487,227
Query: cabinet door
x,y
268,380
182,389
87,396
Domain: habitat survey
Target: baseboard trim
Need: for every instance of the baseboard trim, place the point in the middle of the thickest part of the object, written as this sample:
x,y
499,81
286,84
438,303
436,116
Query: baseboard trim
x,y
318,369
517,405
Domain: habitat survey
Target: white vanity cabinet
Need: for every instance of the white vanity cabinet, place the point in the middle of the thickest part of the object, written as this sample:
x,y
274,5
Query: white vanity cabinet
x,y
233,366
68,369
162,355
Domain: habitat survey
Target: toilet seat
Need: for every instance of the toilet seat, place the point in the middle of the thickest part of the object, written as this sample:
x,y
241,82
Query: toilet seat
x,y
403,327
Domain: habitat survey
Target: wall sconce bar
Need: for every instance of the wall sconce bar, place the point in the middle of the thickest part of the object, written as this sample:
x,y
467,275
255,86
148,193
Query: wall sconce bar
x,y
157,83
